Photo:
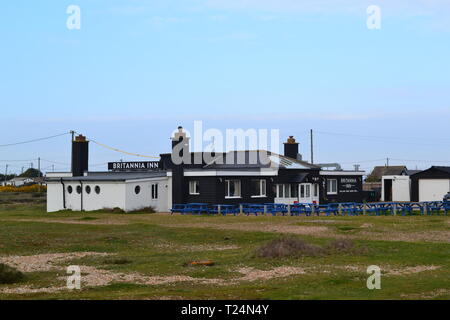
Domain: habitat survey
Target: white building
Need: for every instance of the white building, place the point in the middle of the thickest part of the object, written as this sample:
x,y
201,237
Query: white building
x,y
100,190
396,188
18,181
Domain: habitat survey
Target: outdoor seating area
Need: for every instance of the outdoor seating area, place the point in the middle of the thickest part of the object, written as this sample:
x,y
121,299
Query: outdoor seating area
x,y
311,209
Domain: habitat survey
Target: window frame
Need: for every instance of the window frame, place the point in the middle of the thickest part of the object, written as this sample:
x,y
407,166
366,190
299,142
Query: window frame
x,y
194,187
330,190
154,193
227,189
262,186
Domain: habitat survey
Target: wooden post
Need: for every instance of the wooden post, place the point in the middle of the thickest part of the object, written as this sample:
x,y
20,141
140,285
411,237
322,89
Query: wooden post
x,y
340,209
219,210
241,211
289,209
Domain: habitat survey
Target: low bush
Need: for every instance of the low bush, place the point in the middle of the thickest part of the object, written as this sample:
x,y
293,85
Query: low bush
x,y
117,261
295,247
32,188
10,275
288,247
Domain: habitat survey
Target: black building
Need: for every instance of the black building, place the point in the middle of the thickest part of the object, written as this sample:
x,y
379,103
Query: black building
x,y
255,177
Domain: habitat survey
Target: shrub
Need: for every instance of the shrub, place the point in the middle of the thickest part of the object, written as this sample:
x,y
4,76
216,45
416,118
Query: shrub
x,y
143,210
341,245
9,274
32,188
117,261
288,247
345,246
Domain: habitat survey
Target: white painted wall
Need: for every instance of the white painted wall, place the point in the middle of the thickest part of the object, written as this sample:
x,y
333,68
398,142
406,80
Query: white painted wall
x,y
144,198
112,195
433,189
401,188
54,197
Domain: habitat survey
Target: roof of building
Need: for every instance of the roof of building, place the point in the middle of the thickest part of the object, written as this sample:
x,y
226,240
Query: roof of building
x,y
380,171
256,159
113,176
441,168
445,170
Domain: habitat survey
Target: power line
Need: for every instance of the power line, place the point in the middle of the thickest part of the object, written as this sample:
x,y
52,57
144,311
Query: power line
x,y
121,151
33,140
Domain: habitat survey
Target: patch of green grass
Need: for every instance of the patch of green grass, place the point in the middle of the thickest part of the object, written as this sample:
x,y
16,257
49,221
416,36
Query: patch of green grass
x,y
160,245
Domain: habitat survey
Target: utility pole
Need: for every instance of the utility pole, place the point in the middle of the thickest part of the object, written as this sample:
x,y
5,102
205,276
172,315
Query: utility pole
x,y
53,168
387,162
312,147
6,173
39,167
73,134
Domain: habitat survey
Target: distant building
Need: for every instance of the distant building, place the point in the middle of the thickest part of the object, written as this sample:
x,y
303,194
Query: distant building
x,y
19,181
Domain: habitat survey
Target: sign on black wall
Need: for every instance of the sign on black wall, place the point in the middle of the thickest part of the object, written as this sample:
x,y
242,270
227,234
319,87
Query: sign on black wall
x,y
349,185
133,166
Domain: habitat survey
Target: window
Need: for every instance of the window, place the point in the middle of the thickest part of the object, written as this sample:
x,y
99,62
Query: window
x,y
154,191
258,188
316,190
97,189
79,189
302,191
233,188
280,191
137,189
307,190
331,186
294,190
287,191
69,189
88,189
194,187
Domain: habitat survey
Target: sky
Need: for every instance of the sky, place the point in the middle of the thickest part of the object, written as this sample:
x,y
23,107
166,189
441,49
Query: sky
x,y
137,69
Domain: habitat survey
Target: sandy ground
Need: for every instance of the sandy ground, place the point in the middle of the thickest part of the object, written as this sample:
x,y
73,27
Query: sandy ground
x,y
94,277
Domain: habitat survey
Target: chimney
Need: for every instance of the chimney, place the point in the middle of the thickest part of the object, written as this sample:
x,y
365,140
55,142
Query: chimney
x,y
291,149
180,156
179,137
80,156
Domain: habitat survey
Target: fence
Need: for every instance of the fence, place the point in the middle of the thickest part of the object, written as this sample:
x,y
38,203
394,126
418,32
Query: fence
x,y
309,209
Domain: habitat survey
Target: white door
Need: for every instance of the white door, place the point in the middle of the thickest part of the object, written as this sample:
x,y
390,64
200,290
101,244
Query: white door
x,y
433,189
305,193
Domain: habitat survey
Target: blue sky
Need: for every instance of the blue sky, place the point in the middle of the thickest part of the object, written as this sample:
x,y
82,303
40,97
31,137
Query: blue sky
x,y
138,68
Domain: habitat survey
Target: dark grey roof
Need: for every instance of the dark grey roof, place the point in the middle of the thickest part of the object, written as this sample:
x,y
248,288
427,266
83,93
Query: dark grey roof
x,y
256,159
440,168
411,172
113,176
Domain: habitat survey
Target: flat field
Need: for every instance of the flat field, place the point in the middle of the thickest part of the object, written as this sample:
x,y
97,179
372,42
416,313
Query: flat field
x,y
147,256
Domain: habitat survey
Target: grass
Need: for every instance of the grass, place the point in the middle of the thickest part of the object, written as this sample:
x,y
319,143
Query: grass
x,y
160,245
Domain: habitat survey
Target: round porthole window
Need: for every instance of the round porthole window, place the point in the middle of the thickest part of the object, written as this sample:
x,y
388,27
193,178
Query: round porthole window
x,y
79,189
137,190
97,189
69,189
88,189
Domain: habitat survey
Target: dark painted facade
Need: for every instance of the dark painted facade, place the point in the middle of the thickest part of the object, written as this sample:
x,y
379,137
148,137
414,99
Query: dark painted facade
x,y
212,188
